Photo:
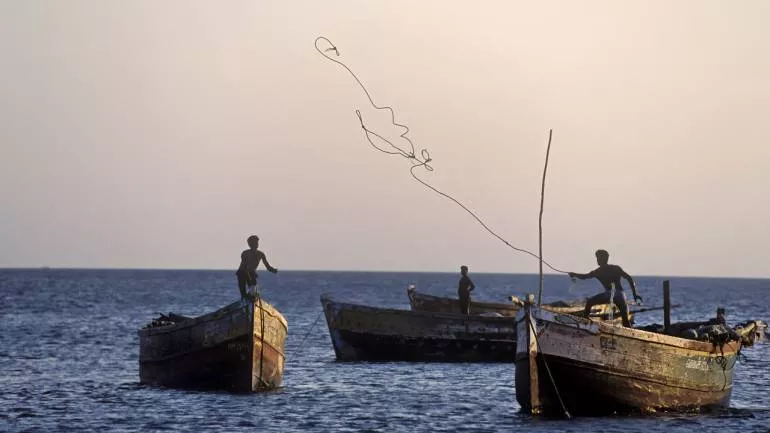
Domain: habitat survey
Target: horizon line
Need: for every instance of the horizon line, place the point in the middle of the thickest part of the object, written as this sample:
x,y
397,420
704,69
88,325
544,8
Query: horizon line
x,y
74,268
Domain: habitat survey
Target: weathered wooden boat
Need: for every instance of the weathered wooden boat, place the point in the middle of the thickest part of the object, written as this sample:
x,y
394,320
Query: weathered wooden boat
x,y
364,333
437,304
238,348
574,365
424,302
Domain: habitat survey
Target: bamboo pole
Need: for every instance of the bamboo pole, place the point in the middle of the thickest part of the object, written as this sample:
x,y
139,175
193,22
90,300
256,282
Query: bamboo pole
x,y
540,220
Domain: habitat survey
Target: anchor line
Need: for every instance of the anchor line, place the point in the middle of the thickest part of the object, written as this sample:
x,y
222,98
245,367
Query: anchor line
x,y
309,330
421,160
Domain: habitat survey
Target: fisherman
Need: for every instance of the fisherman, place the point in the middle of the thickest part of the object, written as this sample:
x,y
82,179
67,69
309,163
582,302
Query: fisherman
x,y
247,271
464,289
609,276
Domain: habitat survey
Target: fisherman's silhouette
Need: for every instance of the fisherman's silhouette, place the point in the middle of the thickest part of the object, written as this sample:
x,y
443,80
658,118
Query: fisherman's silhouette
x,y
609,275
464,289
247,271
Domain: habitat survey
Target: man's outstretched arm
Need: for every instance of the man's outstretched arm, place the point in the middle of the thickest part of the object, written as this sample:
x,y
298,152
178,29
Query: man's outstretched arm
x,y
267,264
581,276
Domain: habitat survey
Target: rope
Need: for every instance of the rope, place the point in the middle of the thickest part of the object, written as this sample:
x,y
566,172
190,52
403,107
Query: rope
x,y
721,361
548,369
422,160
261,338
740,356
311,328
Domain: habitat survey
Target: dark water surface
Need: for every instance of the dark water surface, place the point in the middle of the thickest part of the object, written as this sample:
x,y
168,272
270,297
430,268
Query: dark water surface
x,y
69,357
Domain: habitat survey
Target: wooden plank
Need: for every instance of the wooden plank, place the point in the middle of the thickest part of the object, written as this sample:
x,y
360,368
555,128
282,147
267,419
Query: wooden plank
x,y
534,372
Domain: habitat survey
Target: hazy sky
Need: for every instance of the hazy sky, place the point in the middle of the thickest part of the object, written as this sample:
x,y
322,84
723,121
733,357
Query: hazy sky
x,y
161,133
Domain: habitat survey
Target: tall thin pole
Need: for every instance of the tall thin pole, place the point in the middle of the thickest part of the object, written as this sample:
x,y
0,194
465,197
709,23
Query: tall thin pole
x,y
540,220
666,306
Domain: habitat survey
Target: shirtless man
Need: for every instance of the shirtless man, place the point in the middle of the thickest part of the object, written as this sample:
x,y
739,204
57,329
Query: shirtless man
x,y
247,271
609,275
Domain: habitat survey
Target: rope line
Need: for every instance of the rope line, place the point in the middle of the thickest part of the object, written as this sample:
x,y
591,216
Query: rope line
x,y
309,330
422,160
262,339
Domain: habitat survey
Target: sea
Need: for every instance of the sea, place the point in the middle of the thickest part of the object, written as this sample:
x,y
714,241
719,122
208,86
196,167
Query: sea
x,y
69,356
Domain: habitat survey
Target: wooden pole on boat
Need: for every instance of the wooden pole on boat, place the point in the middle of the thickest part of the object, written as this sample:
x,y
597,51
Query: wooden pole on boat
x,y
666,307
532,349
540,220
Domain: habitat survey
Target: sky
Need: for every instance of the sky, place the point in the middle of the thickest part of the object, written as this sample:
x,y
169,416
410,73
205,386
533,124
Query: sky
x,y
149,134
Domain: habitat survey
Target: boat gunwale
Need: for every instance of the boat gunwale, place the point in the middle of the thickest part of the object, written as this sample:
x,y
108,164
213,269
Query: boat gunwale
x,y
603,327
515,305
212,316
485,304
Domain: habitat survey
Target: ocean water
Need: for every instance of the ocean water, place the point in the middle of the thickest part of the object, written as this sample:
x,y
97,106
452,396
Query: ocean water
x,y
69,357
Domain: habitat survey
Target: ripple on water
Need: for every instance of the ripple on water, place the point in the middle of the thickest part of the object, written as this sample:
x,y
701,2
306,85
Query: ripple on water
x,y
70,360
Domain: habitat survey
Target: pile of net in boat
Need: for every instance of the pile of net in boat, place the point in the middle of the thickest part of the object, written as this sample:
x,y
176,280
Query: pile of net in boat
x,y
165,320
751,331
716,333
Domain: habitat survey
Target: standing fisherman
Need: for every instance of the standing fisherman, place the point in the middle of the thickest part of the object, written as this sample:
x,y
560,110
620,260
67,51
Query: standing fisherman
x,y
464,289
609,276
247,271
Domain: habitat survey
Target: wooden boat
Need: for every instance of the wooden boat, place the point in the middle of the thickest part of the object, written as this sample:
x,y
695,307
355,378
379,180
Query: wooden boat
x,y
437,304
237,348
424,302
568,364
363,333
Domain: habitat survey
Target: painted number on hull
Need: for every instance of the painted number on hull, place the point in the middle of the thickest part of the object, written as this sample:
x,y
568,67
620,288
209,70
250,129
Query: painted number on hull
x,y
607,343
237,347
696,364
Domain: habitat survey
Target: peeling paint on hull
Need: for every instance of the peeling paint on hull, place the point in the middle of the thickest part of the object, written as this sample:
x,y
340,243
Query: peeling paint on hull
x,y
600,368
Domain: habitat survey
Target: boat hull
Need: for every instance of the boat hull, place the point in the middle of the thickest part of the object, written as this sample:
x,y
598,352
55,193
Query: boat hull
x,y
363,333
228,349
567,364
